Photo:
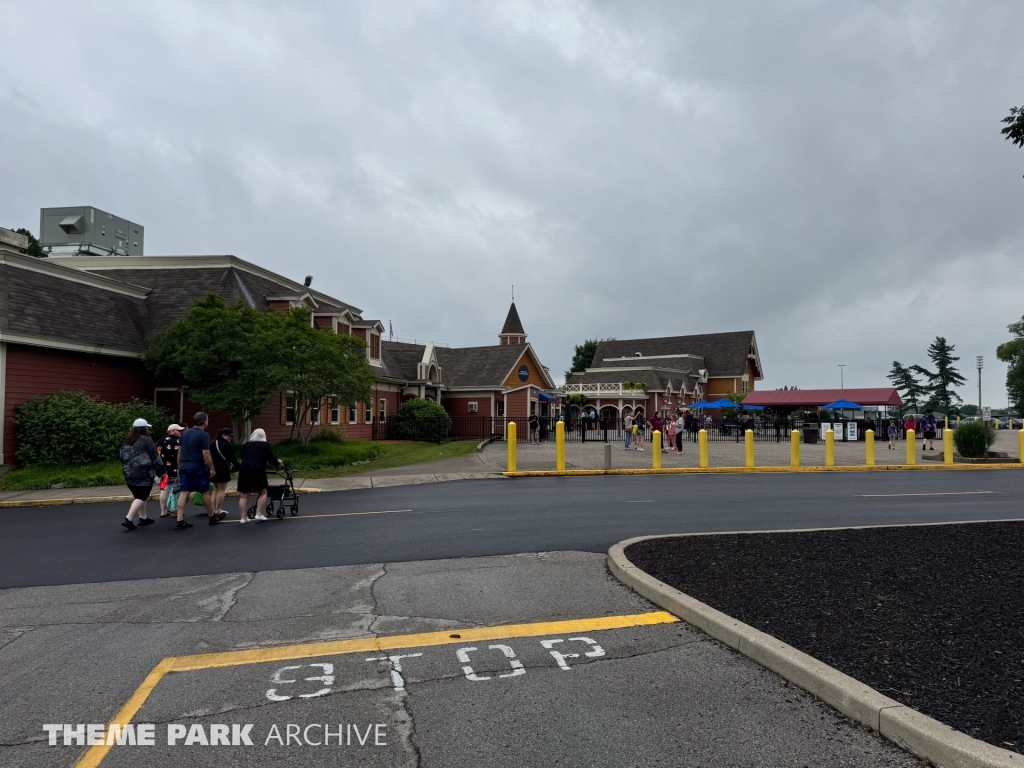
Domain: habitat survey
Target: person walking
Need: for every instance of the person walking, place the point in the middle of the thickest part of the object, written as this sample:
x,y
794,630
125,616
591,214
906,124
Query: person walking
x,y
910,423
252,476
195,467
672,435
928,426
140,463
168,450
628,425
658,424
639,423
534,429
224,461
892,434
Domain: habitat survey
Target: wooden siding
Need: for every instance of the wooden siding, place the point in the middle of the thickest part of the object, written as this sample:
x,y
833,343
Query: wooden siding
x,y
536,377
35,371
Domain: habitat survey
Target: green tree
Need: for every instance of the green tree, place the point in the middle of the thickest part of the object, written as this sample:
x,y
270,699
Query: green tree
x,y
34,248
1014,126
1012,353
226,358
583,357
946,376
319,366
910,388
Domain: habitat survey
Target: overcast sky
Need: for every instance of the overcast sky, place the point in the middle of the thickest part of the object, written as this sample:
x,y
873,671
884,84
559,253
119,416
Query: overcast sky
x,y
829,174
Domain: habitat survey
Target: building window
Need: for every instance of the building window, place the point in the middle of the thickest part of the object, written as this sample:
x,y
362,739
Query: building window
x,y
374,346
352,415
382,412
314,413
344,330
368,413
471,407
501,407
335,410
289,409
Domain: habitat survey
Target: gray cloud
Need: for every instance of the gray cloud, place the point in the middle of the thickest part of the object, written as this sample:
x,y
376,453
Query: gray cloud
x,y
829,175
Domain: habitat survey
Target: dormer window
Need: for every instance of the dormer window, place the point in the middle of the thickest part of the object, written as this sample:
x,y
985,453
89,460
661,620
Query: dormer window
x,y
374,346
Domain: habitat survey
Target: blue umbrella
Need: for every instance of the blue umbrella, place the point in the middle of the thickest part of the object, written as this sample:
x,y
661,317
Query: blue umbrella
x,y
843,405
724,403
703,404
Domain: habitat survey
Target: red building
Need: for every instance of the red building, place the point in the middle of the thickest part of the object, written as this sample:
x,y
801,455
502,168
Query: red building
x,y
81,322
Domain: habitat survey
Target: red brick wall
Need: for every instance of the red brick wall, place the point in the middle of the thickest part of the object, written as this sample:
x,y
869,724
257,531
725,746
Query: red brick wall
x,y
35,371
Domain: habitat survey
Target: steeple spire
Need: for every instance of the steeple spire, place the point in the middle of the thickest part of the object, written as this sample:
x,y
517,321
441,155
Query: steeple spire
x,y
512,332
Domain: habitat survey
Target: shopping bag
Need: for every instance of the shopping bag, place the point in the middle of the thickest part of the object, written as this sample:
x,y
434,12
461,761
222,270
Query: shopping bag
x,y
172,502
197,499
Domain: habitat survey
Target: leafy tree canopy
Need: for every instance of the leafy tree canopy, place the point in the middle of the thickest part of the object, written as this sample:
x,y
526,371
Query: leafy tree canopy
x,y
910,388
946,376
1013,129
583,357
1012,353
34,248
226,358
319,366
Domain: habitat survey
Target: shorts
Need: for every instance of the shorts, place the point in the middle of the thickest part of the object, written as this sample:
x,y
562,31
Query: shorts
x,y
141,492
197,479
222,477
929,435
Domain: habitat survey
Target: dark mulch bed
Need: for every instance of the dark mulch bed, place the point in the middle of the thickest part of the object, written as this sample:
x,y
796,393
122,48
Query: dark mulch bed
x,y
930,616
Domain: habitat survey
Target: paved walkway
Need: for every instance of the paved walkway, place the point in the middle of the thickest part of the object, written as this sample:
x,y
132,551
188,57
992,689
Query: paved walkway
x,y
590,455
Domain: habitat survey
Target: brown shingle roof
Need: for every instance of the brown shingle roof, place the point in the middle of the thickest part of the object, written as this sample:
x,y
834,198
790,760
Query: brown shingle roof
x,y
725,354
478,366
512,322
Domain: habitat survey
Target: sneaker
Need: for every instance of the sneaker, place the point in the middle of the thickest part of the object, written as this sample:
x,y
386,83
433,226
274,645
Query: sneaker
x,y
243,521
220,516
182,525
213,520
129,524
146,521
260,518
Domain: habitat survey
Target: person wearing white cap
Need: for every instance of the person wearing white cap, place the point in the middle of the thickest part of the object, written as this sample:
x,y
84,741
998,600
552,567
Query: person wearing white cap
x,y
167,447
140,463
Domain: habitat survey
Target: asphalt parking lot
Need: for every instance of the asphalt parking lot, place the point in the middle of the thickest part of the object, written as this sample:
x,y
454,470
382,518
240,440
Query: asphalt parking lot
x,y
641,694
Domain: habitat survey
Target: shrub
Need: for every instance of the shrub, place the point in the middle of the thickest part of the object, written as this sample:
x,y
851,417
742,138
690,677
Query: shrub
x,y
973,438
423,420
73,428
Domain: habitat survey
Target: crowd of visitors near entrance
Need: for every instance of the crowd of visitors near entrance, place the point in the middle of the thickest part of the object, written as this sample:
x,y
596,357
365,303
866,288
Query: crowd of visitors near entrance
x,y
191,467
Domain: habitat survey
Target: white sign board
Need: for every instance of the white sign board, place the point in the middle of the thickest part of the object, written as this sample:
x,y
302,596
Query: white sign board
x,y
825,427
851,431
986,413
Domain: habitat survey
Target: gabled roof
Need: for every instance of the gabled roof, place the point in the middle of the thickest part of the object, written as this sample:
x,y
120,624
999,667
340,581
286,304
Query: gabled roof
x,y
724,354
399,360
479,366
513,325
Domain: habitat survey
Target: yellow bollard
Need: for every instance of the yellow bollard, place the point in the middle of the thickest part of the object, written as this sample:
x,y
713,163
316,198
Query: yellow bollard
x,y
946,419
656,449
560,446
911,447
947,447
510,438
869,447
1020,445
702,448
958,421
794,448
748,438
830,448
997,423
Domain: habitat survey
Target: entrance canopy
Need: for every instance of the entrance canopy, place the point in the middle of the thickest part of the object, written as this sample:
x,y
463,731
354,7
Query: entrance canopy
x,y
544,397
843,405
817,398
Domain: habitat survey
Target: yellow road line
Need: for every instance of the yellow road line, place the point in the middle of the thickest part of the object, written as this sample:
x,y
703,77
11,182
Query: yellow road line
x,y
337,514
94,756
938,493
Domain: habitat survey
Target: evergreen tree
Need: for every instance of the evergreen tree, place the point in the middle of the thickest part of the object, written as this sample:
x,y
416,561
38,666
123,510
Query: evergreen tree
x,y
583,356
946,376
910,388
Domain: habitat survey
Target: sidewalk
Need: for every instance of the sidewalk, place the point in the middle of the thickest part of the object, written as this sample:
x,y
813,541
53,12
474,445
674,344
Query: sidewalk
x,y
471,467
590,455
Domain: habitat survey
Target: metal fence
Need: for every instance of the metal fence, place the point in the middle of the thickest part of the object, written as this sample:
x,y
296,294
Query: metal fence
x,y
441,429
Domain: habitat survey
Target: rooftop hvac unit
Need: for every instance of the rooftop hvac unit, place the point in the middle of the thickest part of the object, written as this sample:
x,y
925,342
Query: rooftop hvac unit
x,y
88,231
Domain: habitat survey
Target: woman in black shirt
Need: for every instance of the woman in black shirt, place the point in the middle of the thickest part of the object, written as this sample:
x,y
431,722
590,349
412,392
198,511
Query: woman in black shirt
x,y
252,477
223,455
168,450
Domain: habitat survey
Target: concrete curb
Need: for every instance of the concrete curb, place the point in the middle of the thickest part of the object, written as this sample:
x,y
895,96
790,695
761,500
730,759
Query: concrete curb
x,y
754,470
907,728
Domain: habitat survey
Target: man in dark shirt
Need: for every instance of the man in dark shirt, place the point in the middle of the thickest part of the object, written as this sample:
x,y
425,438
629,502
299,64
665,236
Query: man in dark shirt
x,y
195,464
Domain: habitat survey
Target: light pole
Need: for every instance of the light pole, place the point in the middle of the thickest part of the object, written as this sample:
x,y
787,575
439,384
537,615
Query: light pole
x,y
841,384
981,364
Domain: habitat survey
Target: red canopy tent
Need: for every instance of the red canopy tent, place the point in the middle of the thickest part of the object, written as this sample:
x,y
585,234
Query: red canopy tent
x,y
811,398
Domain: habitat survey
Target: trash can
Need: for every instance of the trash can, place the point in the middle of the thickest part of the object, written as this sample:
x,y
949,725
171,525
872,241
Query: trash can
x,y
810,435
